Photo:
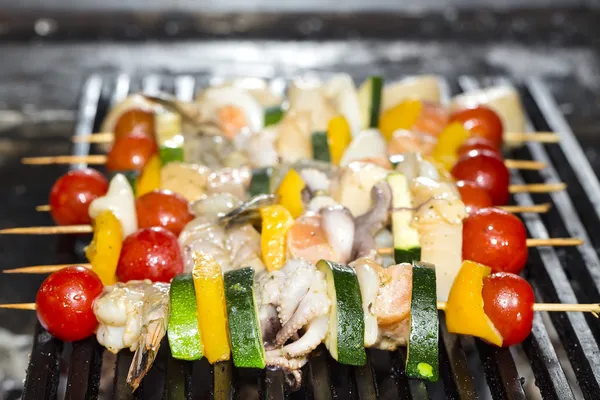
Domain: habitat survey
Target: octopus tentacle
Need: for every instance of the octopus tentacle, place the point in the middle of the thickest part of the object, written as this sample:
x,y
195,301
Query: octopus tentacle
x,y
295,288
314,335
277,359
311,306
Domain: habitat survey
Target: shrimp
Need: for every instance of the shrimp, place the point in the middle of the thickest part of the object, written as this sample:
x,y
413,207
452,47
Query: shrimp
x,y
432,120
232,248
135,315
405,141
327,235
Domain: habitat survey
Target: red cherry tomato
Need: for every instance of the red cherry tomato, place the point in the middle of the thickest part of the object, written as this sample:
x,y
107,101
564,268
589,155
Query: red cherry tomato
x,y
508,302
64,303
487,171
150,253
131,152
72,194
477,143
495,238
135,121
473,196
163,208
481,121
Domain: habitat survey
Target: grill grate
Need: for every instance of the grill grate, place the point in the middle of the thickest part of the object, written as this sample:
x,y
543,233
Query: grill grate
x,y
557,275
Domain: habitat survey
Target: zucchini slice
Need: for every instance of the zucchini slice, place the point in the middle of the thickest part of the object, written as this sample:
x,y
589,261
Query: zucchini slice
x,y
168,136
273,115
406,239
369,98
422,360
260,183
320,146
346,334
183,331
242,313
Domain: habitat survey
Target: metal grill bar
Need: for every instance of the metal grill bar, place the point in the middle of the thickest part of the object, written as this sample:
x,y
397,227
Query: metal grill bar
x,y
383,377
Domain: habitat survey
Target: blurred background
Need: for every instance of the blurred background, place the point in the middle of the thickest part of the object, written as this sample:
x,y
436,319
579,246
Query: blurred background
x,y
49,48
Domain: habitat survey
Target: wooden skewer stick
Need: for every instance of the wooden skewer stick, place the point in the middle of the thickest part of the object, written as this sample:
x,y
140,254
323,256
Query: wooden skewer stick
x,y
517,137
100,137
100,159
537,188
48,230
441,305
96,159
388,251
540,137
43,208
43,269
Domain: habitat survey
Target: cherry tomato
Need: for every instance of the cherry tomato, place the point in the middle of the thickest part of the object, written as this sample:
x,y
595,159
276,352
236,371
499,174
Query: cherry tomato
x,y
135,120
473,196
72,194
481,121
131,152
495,238
508,302
487,170
64,303
150,253
477,143
163,208
432,120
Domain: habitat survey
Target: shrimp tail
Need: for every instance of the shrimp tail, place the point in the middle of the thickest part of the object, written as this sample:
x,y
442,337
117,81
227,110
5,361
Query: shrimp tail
x,y
147,349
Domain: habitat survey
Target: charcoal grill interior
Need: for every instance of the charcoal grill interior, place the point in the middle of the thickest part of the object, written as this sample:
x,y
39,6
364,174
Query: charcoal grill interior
x,y
561,356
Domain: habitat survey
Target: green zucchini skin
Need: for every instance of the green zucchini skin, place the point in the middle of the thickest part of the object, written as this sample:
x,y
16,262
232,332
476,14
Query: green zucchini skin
x,y
260,183
422,360
376,92
407,255
273,115
320,146
346,317
170,154
242,314
183,332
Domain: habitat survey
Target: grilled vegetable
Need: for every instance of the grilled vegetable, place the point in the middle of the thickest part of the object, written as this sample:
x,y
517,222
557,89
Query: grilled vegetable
x,y
508,302
260,183
72,194
212,313
149,179
276,221
369,98
481,121
339,137
104,250
487,170
406,239
163,208
242,313
401,116
449,141
290,193
422,359
130,152
465,313
345,337
320,147
64,303
183,333
273,115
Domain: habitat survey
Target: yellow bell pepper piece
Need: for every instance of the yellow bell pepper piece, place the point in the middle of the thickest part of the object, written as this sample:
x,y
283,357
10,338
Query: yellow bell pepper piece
x,y
212,314
402,116
149,180
290,193
446,148
105,248
339,138
276,221
464,310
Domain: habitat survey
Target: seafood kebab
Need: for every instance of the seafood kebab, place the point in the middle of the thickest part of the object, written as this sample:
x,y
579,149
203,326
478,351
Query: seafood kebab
x,y
230,283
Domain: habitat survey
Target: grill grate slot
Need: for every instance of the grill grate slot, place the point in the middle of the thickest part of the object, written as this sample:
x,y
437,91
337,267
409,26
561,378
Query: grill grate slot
x,y
383,377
